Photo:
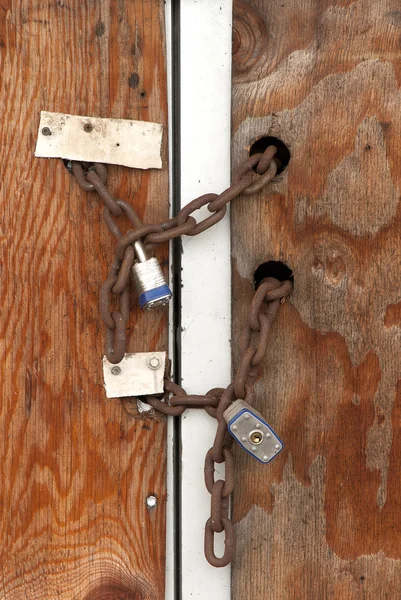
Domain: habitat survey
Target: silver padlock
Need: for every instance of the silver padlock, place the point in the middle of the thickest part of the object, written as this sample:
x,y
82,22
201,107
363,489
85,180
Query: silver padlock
x,y
252,432
149,280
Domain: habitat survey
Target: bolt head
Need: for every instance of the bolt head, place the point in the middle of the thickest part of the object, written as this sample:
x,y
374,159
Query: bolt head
x,y
151,501
115,370
153,362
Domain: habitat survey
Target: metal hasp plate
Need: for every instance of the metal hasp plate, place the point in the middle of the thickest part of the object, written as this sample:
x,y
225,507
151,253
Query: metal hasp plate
x,y
252,432
138,374
135,144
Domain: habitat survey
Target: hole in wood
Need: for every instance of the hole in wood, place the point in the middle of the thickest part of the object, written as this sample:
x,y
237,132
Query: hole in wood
x,y
68,165
283,154
272,268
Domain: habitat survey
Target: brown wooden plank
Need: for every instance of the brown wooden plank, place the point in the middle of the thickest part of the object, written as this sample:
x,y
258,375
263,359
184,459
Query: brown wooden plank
x,y
323,520
75,468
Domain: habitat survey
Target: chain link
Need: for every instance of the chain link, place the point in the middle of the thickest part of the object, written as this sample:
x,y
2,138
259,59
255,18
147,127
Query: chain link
x,y
250,177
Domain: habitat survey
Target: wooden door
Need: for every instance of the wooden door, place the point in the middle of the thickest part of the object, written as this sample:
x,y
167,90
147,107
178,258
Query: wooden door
x,y
323,520
76,469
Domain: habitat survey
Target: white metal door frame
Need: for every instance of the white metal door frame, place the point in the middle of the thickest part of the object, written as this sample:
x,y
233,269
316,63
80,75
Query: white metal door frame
x,y
202,51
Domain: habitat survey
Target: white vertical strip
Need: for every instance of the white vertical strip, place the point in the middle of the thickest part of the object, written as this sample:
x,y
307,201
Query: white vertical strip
x,y
171,549
206,294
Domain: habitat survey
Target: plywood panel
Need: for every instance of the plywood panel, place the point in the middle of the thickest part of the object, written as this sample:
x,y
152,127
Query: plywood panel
x,y
323,520
75,468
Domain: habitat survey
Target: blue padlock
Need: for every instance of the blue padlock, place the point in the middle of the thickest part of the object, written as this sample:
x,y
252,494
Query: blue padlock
x,y
149,280
252,432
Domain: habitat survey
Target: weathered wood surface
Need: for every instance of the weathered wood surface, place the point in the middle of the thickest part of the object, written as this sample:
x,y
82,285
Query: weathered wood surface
x,y
75,468
323,520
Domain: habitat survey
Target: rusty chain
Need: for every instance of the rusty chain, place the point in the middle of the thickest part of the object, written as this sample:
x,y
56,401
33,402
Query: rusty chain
x,y
250,177
263,309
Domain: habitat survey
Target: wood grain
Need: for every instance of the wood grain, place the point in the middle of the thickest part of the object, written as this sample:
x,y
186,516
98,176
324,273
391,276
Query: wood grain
x,y
323,520
75,468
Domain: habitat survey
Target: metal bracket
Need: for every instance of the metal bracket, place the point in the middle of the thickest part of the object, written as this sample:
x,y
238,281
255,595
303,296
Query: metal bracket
x,y
135,144
138,374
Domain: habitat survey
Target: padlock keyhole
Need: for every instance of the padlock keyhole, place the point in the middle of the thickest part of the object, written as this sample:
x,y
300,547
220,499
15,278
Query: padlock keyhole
x,y
256,437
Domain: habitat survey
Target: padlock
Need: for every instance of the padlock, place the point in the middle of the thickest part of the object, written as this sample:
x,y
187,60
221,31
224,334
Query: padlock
x,y
252,432
149,280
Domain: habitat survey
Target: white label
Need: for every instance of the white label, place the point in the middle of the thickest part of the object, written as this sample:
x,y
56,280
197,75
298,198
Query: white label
x,y
138,374
134,144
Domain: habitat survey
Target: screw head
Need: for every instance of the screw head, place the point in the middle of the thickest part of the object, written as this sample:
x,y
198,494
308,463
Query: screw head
x,y
151,501
88,127
115,370
46,131
234,428
153,362
265,457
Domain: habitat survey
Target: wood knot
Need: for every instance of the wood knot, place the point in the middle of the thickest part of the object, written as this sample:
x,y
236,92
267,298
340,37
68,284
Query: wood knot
x,y
331,269
249,37
114,591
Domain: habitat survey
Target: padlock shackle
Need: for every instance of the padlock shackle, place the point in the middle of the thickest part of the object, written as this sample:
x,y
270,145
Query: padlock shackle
x,y
140,251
